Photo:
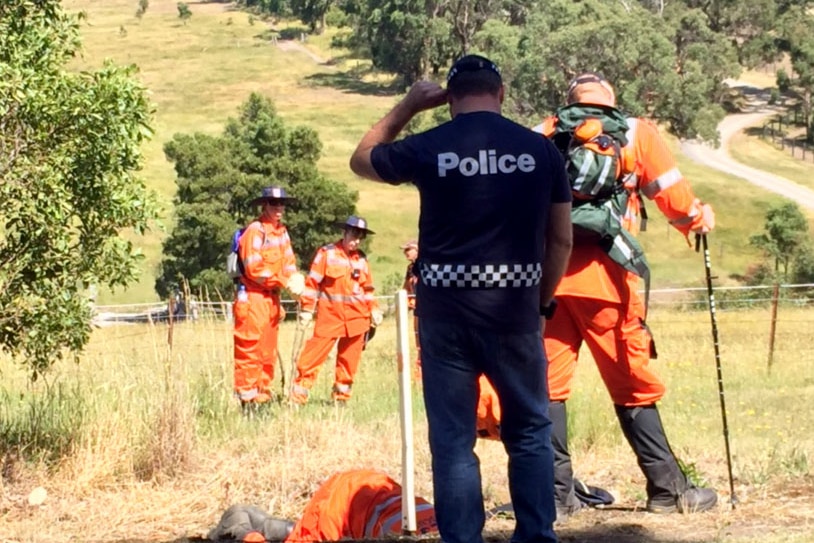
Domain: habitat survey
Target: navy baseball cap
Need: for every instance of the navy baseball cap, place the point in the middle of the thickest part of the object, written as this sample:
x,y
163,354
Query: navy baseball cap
x,y
472,63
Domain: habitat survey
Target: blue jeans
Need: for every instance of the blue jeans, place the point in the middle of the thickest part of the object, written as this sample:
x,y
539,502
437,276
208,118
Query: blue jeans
x,y
452,358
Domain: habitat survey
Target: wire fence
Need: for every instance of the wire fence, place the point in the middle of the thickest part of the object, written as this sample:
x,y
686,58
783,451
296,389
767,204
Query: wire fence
x,y
178,308
787,131
776,322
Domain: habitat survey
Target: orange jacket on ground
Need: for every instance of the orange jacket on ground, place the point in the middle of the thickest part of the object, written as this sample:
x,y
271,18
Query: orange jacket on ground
x,y
591,272
340,286
357,504
268,261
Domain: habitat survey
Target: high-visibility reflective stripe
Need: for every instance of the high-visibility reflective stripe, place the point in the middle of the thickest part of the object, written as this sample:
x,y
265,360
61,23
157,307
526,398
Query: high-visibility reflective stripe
x,y
683,220
343,298
583,172
632,125
342,388
388,525
253,257
309,292
377,511
297,390
620,244
316,276
665,180
247,395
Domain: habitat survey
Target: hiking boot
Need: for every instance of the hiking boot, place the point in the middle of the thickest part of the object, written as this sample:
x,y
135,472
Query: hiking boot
x,y
298,395
564,512
692,500
341,393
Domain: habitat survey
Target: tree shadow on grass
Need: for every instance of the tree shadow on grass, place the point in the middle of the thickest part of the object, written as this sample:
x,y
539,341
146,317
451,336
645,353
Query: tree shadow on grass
x,y
352,82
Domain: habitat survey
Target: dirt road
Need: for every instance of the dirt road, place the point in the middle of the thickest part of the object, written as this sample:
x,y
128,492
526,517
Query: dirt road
x,y
720,159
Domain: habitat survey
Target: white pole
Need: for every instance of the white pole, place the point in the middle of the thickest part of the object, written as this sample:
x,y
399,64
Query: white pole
x,y
408,520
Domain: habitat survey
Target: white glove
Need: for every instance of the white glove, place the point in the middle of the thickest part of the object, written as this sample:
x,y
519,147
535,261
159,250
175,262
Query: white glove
x,y
306,317
376,317
296,284
706,215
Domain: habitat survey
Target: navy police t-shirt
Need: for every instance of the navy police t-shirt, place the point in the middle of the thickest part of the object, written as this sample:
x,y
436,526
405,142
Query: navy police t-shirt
x,y
486,184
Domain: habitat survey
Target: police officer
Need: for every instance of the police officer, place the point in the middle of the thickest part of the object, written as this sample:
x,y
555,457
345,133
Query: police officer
x,y
494,239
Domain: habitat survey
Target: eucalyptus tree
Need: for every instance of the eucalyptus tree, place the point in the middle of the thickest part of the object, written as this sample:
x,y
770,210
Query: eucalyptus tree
x,y
670,68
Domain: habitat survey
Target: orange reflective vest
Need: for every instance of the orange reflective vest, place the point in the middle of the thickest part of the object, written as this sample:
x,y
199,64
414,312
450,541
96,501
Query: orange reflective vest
x,y
267,257
340,286
357,504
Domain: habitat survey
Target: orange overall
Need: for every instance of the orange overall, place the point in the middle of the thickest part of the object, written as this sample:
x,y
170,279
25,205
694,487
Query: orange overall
x,y
268,261
358,505
598,299
340,286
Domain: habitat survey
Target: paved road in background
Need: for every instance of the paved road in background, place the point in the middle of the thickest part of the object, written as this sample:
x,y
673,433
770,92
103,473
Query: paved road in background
x,y
720,159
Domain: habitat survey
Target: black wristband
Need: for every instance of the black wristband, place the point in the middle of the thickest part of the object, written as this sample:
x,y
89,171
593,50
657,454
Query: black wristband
x,y
547,311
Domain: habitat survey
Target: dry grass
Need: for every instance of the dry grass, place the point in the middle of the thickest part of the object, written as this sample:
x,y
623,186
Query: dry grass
x,y
164,450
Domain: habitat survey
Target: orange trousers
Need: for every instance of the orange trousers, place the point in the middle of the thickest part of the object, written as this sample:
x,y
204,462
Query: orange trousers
x,y
255,351
618,341
316,350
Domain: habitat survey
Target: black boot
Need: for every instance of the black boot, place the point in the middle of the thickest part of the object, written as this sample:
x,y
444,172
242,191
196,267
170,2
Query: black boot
x,y
277,529
668,489
564,496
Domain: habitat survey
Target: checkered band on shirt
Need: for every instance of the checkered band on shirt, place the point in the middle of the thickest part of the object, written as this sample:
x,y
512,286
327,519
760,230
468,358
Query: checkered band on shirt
x,y
480,275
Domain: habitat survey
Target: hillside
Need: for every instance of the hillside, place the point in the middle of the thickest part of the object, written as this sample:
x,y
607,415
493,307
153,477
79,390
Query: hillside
x,y
198,74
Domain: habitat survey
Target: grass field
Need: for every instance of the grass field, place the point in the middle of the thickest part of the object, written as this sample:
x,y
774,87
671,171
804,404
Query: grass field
x,y
199,73
141,443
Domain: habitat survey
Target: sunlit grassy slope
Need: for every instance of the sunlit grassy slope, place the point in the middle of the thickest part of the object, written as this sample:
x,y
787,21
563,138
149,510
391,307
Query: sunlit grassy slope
x,y
200,72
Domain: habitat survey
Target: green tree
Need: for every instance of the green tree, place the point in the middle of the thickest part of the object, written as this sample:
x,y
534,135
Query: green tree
x,y
312,13
784,237
797,29
184,13
671,69
69,150
142,8
218,176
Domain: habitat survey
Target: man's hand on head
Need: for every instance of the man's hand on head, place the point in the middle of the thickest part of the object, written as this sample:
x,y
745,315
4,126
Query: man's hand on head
x,y
425,95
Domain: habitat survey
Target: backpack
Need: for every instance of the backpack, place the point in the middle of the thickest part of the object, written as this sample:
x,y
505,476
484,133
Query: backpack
x,y
234,266
590,139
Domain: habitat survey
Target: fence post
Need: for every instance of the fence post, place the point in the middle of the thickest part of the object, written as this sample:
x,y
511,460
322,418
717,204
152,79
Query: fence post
x,y
773,326
171,307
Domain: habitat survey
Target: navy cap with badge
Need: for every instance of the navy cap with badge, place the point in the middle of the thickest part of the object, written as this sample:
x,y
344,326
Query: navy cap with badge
x,y
272,193
356,222
472,63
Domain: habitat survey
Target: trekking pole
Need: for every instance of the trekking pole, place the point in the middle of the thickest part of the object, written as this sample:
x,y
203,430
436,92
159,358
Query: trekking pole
x,y
408,509
296,347
282,373
701,239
